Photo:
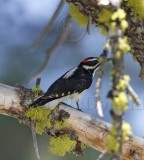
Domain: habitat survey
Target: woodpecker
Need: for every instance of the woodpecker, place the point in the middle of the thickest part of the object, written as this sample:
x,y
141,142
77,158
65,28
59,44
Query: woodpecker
x,y
71,85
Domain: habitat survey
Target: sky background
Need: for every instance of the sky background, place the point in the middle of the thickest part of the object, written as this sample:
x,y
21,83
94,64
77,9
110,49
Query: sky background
x,y
20,24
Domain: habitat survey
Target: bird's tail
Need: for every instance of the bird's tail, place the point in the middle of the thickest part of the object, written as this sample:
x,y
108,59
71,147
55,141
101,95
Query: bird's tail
x,y
39,102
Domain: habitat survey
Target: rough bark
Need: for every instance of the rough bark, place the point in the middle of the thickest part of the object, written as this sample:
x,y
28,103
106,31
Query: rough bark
x,y
135,31
90,130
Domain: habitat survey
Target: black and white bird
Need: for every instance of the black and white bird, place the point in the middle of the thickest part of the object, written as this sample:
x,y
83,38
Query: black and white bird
x,y
71,85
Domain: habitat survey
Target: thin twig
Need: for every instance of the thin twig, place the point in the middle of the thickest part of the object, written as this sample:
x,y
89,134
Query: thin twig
x,y
99,82
59,41
48,26
35,140
142,72
135,156
33,129
118,63
101,156
89,24
133,95
38,82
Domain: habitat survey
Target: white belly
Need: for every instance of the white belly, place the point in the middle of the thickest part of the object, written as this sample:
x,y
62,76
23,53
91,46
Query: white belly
x,y
74,97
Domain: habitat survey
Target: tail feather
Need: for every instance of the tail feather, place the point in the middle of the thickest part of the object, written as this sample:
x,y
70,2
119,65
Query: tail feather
x,y
40,101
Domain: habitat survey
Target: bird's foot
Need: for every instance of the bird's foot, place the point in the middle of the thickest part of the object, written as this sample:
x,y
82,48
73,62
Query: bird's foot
x,y
79,109
62,103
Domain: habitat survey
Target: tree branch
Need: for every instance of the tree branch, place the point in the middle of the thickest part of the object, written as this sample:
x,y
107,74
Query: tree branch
x,y
48,26
90,130
135,30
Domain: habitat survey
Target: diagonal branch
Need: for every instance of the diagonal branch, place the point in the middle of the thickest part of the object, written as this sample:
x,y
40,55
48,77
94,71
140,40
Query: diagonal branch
x,y
90,130
58,42
135,30
48,26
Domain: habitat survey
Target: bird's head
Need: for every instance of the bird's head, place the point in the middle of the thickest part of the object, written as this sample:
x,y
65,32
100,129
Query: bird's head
x,y
91,64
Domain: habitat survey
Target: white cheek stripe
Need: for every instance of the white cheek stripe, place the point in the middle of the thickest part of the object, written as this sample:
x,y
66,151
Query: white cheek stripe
x,y
70,73
92,59
95,71
90,67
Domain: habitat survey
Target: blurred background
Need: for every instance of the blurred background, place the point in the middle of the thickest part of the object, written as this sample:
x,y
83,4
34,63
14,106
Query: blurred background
x,y
20,24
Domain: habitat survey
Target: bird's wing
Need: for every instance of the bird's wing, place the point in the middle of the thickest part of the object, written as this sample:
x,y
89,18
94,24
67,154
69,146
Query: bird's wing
x,y
66,86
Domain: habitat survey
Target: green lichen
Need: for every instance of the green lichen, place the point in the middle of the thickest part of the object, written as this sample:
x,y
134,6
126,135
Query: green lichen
x,y
60,124
112,144
78,16
37,90
124,45
124,25
112,139
112,72
108,19
120,101
127,131
118,54
105,16
45,118
137,7
119,14
41,118
123,82
83,146
61,145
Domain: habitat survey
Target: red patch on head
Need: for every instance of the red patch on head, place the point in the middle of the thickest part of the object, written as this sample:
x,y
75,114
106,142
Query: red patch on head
x,y
85,61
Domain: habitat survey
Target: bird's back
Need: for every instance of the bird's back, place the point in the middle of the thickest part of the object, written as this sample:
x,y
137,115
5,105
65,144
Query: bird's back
x,y
67,85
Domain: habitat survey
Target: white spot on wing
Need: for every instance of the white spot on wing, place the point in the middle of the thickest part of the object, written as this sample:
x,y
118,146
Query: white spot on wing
x,y
56,95
70,73
68,92
62,94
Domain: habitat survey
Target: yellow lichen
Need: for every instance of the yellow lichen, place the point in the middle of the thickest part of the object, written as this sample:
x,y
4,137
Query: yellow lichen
x,y
61,145
36,90
118,54
124,25
126,128
120,101
105,16
38,113
112,25
101,59
124,45
113,144
109,18
123,82
119,14
41,118
112,72
60,124
78,16
113,140
137,7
